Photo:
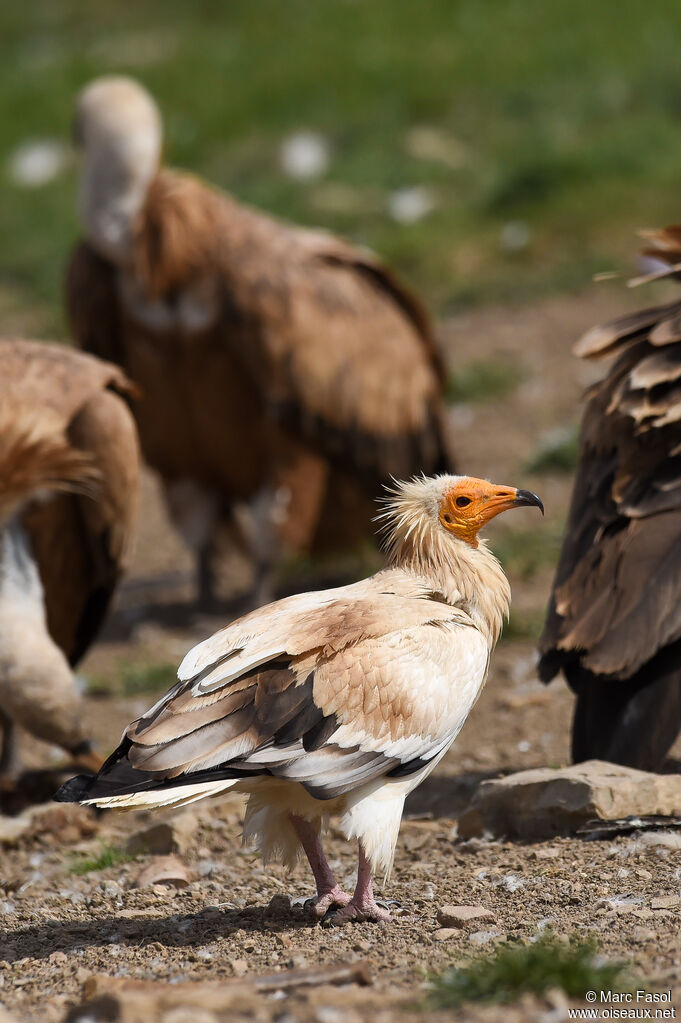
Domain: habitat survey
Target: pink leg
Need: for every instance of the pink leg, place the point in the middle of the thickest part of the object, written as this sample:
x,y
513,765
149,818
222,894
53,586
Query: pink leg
x,y
362,906
329,892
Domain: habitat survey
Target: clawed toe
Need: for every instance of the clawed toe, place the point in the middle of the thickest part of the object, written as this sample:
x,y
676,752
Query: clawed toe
x,y
321,905
352,912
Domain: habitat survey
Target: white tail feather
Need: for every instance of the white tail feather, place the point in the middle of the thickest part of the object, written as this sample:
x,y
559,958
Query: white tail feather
x,y
179,796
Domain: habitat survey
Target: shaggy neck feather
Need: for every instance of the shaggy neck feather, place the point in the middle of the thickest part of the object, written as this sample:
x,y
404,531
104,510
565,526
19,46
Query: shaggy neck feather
x,y
468,577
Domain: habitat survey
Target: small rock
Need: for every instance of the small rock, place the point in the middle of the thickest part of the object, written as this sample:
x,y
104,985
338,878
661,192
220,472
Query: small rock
x,y
484,937
446,933
239,967
544,802
644,874
57,958
14,828
462,916
164,870
167,837
642,934
279,906
666,902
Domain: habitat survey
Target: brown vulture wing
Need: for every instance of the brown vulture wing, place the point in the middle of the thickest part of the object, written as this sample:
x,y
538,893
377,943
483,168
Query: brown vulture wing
x,y
80,542
342,353
614,618
92,305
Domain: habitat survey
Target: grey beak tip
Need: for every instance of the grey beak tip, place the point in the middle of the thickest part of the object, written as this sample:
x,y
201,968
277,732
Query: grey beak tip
x,y
526,497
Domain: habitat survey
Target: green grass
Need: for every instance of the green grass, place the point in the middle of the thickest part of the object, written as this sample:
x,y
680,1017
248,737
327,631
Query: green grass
x,y
108,856
559,453
562,118
484,380
147,678
513,970
134,678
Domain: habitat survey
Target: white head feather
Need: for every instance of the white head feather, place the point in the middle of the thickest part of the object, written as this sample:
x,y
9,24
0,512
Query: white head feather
x,y
119,127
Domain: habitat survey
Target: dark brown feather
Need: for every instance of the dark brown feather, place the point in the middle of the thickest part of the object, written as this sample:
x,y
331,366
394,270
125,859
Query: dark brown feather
x,y
80,540
312,355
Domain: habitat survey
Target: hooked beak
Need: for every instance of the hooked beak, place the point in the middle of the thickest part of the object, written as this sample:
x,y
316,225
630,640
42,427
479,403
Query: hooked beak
x,y
526,497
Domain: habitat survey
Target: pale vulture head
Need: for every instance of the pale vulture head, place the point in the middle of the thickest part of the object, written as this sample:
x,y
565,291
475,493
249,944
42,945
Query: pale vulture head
x,y
427,513
118,126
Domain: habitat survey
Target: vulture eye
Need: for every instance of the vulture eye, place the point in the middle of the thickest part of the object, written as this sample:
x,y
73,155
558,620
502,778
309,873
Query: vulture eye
x,y
461,502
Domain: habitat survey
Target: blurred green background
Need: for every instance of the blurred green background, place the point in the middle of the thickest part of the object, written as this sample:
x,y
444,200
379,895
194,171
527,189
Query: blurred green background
x,y
490,150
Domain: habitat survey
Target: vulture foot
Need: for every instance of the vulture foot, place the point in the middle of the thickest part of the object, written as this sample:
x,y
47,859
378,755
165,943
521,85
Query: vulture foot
x,y
322,904
357,911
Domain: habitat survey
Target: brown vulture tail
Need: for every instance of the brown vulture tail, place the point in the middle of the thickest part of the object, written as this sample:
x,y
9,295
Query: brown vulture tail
x,y
632,721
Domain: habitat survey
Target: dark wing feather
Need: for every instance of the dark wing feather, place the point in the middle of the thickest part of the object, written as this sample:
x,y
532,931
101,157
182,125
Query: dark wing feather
x,y
616,598
266,722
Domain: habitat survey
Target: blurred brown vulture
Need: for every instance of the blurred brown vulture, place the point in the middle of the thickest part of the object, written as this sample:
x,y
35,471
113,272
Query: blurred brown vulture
x,y
285,374
69,464
614,619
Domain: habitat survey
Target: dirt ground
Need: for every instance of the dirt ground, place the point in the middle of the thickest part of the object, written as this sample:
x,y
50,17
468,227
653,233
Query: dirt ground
x,y
58,929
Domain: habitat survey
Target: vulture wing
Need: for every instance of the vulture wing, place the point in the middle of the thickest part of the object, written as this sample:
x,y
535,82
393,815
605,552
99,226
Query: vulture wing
x,y
318,688
337,348
79,539
92,305
353,364
617,593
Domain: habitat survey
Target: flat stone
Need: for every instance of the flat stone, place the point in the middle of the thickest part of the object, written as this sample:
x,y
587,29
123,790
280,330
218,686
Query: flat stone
x,y
172,836
462,916
665,902
12,829
446,933
545,802
164,870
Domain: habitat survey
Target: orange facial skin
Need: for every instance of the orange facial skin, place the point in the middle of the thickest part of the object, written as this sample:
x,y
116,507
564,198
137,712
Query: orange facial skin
x,y
471,503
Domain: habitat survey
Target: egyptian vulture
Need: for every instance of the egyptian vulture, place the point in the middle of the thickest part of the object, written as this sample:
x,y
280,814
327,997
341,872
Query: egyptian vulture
x,y
614,618
338,702
68,482
284,374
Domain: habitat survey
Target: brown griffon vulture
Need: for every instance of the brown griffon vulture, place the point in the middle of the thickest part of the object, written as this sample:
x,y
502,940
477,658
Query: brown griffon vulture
x,y
284,374
69,464
335,703
614,618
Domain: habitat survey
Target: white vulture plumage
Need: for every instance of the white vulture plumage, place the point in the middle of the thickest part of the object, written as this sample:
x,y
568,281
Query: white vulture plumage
x,y
69,464
338,702
285,375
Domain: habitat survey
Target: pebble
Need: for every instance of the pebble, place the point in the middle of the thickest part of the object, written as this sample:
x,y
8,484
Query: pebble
x,y
446,933
484,937
461,916
279,905
239,967
666,902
